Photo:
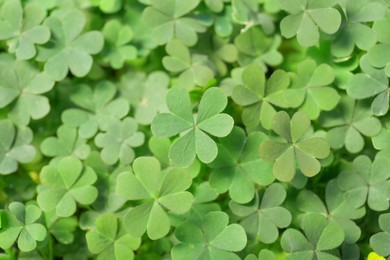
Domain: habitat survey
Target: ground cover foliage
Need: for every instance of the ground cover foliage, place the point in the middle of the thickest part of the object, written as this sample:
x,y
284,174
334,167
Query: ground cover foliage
x,y
194,129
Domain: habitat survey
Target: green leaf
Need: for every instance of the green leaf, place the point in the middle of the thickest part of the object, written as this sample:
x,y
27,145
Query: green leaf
x,y
213,237
61,188
14,146
72,50
262,218
307,19
161,189
380,241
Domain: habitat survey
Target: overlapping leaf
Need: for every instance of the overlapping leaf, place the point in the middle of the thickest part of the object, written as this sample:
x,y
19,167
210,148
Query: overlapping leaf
x,y
307,18
117,49
66,184
349,122
99,109
168,21
354,29
380,241
195,139
19,224
257,97
368,182
70,49
146,94
193,70
319,238
296,150
337,209
22,82
261,219
238,166
15,146
109,240
212,238
119,140
22,28
161,191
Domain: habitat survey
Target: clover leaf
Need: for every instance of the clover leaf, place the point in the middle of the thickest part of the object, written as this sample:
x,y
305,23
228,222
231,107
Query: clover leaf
x,y
64,185
99,109
108,6
22,28
109,241
194,141
193,69
215,5
307,18
212,238
247,12
263,254
372,82
117,49
67,143
69,49
119,140
14,146
261,219
367,182
63,229
354,30
313,82
238,166
255,46
348,123
319,238
19,224
337,209
22,82
146,94
382,140
159,190
257,97
167,21
379,56
380,241
296,150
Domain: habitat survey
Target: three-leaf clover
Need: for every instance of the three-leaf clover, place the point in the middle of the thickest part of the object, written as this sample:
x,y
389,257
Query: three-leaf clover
x,y
261,219
22,28
371,82
19,223
119,140
146,94
353,30
109,240
14,146
380,242
296,150
307,18
22,82
257,97
367,182
117,49
238,166
348,122
167,21
192,71
67,143
255,46
69,50
212,238
317,242
195,139
336,209
313,82
99,109
159,190
65,184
